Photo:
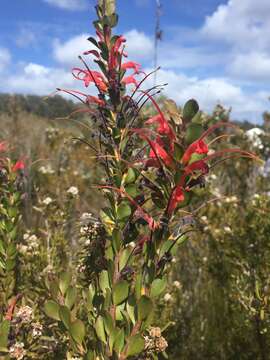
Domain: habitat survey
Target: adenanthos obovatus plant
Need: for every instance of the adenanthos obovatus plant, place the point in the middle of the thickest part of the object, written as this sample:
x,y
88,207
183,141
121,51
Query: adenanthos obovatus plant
x,y
151,173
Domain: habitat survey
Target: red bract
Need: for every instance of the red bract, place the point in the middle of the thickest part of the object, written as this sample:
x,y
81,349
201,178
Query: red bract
x,y
131,65
90,77
115,53
197,147
164,125
176,197
93,99
163,128
19,165
158,151
93,52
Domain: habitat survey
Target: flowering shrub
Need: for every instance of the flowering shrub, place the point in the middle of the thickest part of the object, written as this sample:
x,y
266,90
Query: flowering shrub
x,y
152,170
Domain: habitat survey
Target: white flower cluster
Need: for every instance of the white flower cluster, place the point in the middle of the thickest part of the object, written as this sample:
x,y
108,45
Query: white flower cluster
x,y
46,170
73,190
25,314
47,201
17,351
31,245
254,135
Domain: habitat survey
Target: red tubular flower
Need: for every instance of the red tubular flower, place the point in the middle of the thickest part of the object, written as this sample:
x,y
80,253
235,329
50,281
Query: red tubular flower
x,y
90,77
131,65
114,53
176,197
158,150
93,99
162,121
163,128
199,165
157,153
19,165
197,147
129,80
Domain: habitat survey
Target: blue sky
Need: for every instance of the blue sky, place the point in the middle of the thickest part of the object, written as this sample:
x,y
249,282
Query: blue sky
x,y
213,50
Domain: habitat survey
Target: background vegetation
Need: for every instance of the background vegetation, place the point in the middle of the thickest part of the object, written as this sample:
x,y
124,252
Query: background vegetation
x,y
217,303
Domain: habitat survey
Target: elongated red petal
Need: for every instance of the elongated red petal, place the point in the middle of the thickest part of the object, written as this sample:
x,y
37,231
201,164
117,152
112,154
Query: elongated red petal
x,y
198,147
176,197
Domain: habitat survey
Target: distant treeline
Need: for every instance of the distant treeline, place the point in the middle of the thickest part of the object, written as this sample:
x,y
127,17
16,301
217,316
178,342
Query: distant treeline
x,y
51,107
57,106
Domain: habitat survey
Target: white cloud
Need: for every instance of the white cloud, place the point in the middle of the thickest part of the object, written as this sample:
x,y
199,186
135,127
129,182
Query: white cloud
x,y
252,66
240,23
67,53
37,79
210,91
5,58
139,46
69,4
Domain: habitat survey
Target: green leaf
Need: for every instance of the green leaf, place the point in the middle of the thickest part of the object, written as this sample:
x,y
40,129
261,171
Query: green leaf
x,y
77,331
194,131
190,109
158,286
119,341
64,282
89,356
100,330
108,323
130,176
135,345
123,211
145,307
131,309
51,309
116,239
64,315
70,298
4,332
197,118
120,292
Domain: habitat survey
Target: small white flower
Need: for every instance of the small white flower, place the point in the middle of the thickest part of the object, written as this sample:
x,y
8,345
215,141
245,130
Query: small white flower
x,y
227,229
132,244
17,351
177,284
25,313
173,260
47,201
23,249
26,236
213,176
256,196
33,238
86,216
204,259
204,218
83,230
73,190
167,297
